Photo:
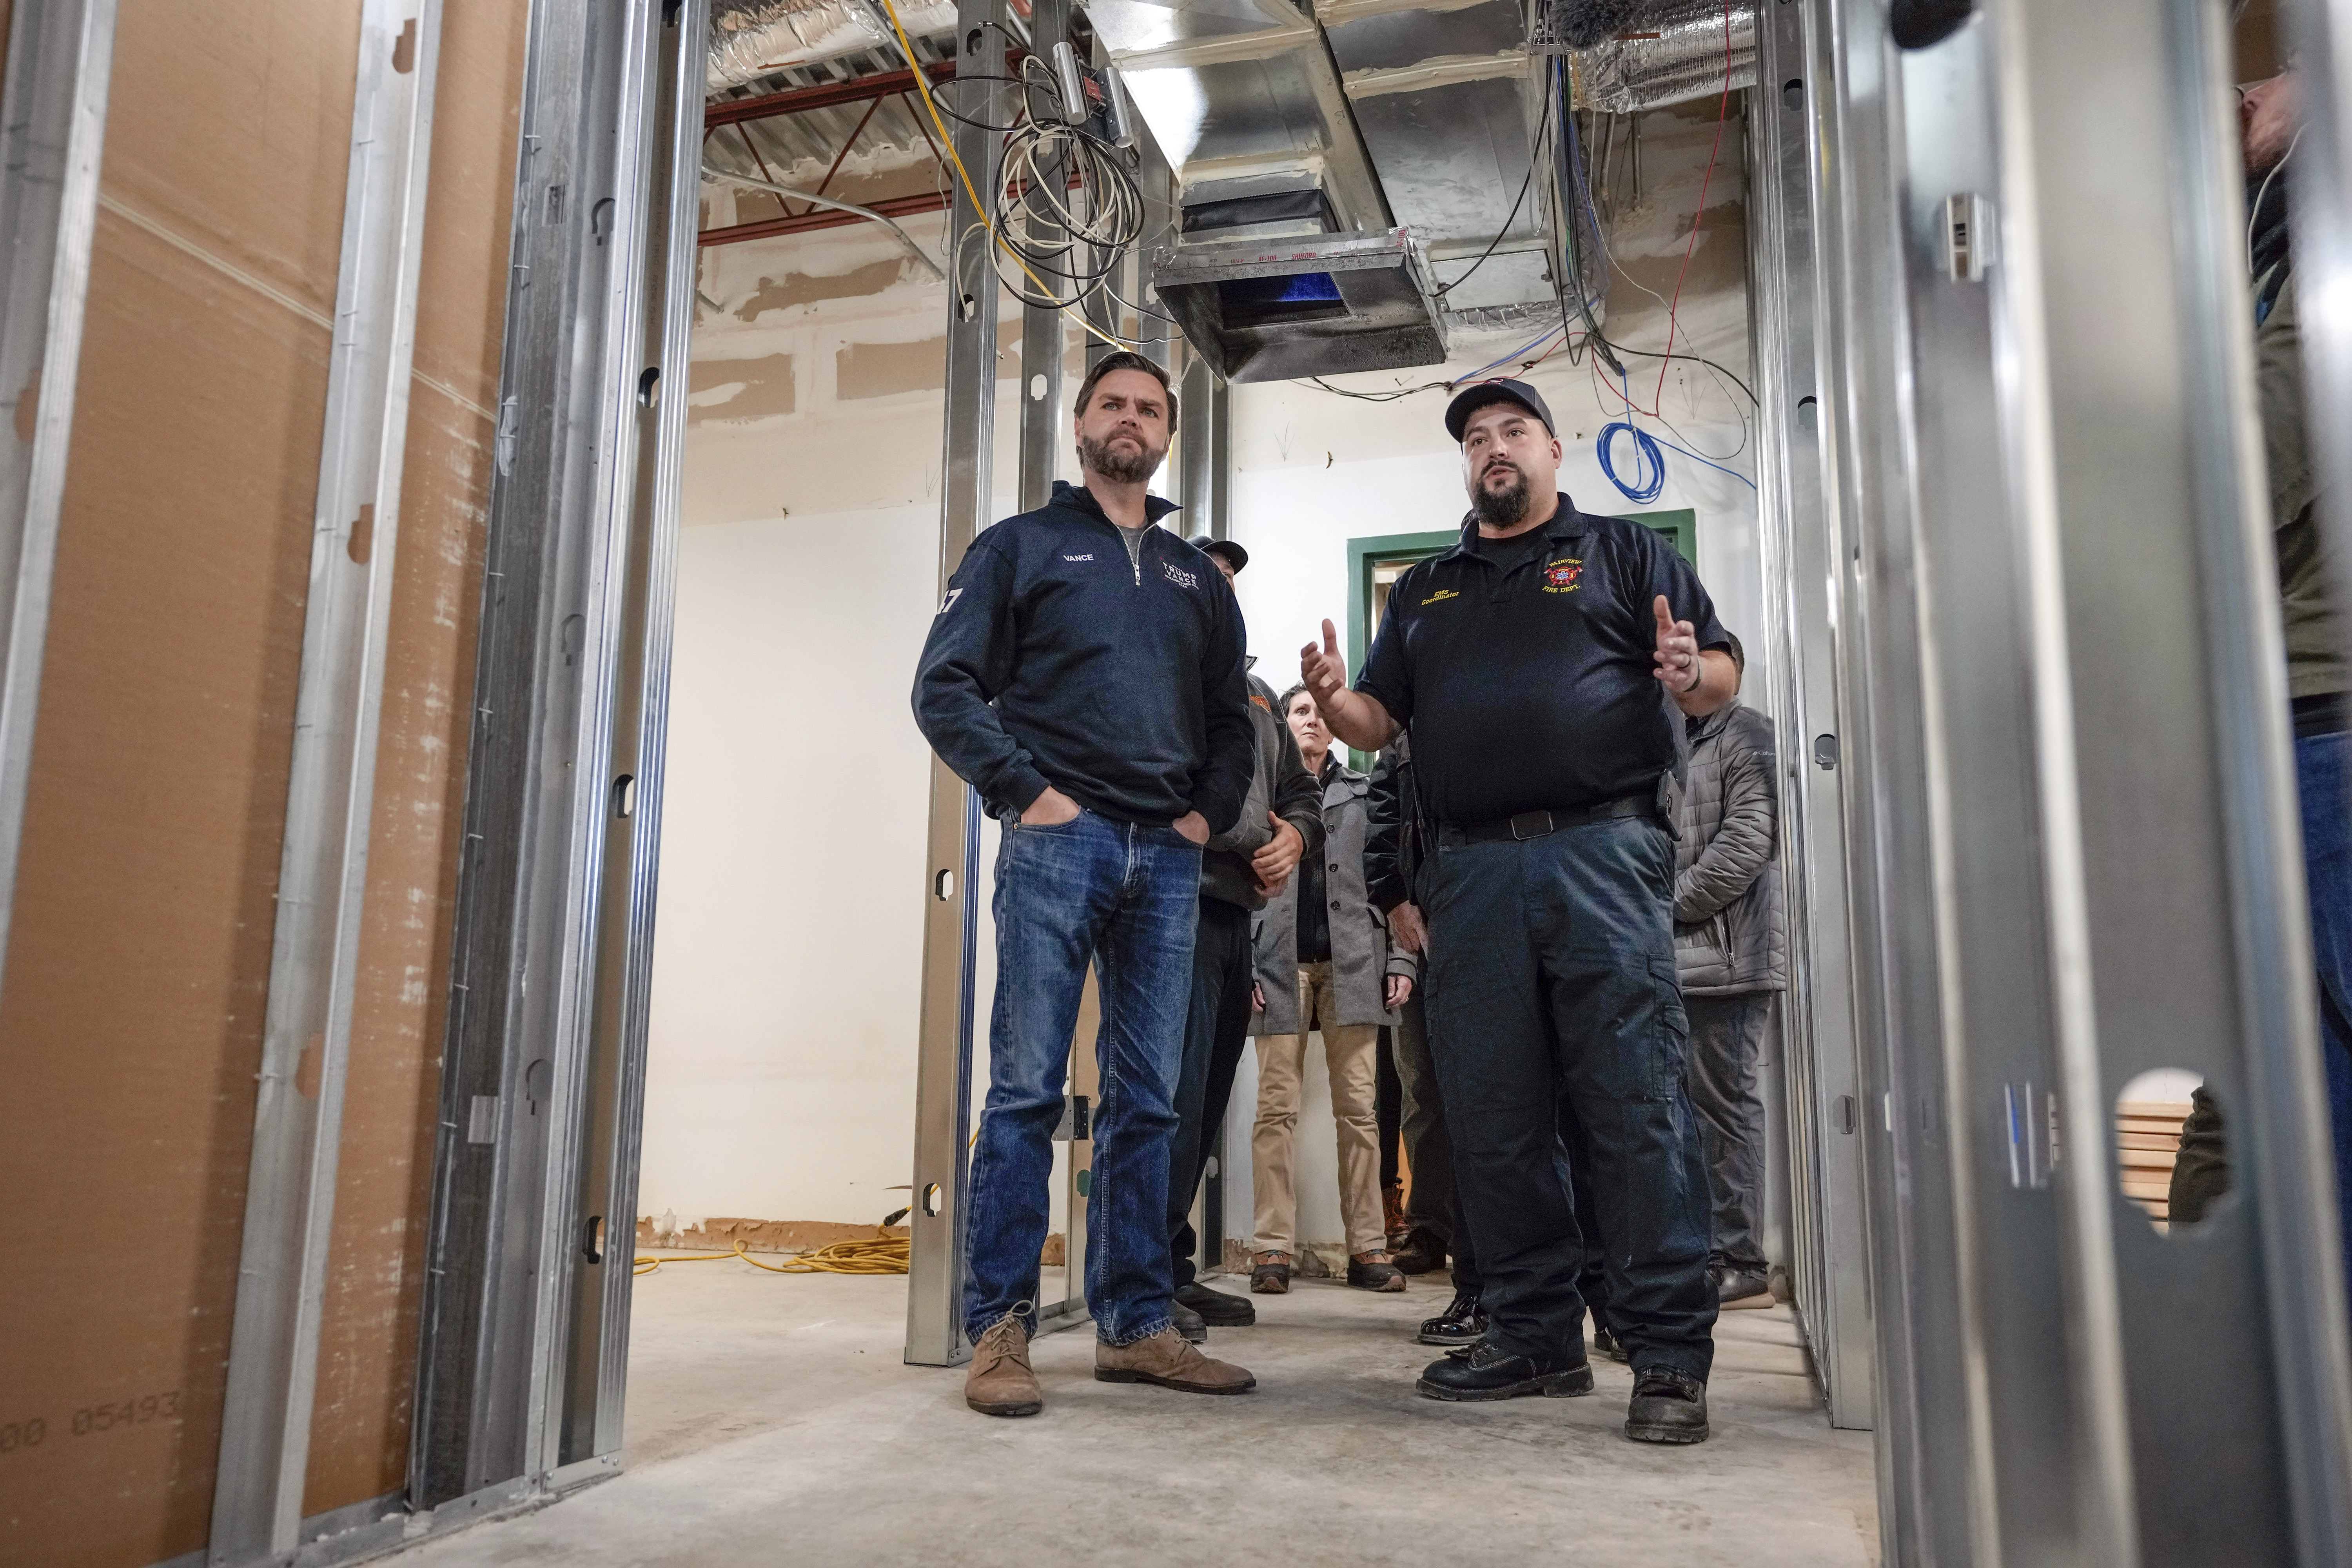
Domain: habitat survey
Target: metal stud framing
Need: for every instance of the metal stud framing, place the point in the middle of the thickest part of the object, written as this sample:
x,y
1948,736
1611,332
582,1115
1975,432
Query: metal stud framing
x,y
52,131
1044,436
950,916
2321,34
1825,1098
2070,835
2160,697
605,1192
517,1065
1873,569
322,873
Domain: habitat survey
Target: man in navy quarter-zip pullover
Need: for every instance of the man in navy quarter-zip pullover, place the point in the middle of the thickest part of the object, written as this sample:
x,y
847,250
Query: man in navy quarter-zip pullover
x,y
1085,673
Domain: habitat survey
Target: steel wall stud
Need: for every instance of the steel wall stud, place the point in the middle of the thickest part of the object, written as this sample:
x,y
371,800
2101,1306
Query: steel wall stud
x,y
1044,436
594,1383
2320,33
322,872
1803,629
950,912
554,627
52,134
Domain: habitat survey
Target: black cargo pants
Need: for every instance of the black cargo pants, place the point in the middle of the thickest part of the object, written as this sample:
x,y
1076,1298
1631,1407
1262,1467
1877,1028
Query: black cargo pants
x,y
1551,977
1216,1032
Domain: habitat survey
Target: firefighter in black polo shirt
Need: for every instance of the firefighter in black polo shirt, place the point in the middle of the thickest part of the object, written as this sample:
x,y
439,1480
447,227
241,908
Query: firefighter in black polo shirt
x,y
1544,666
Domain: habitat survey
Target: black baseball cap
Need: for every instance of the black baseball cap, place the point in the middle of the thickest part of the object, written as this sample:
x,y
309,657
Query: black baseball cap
x,y
1235,556
1470,399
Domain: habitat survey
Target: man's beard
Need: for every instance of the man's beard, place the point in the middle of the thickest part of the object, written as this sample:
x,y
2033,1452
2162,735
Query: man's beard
x,y
1127,469
1502,508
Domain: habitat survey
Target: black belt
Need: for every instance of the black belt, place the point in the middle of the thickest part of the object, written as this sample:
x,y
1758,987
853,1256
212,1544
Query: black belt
x,y
1536,824
2325,715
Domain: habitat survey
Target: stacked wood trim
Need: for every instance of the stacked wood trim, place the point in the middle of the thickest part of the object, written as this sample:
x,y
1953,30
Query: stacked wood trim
x,y
2148,1142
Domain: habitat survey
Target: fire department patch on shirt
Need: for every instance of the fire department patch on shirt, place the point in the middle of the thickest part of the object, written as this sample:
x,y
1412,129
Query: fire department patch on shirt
x,y
1560,577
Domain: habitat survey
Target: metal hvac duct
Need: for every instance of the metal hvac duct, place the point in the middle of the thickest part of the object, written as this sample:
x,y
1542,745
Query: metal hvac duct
x,y
1443,97
1673,53
1324,304
1245,100
753,39
1288,260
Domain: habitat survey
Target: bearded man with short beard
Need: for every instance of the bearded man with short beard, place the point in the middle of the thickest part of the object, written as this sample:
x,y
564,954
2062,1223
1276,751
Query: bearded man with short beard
x,y
1084,674
1544,664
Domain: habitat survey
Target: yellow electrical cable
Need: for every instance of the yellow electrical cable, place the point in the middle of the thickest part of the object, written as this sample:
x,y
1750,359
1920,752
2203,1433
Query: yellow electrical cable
x,y
946,140
881,1253
645,1265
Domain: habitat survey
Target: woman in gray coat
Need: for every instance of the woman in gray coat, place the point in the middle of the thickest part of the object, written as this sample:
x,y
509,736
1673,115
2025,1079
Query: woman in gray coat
x,y
1323,962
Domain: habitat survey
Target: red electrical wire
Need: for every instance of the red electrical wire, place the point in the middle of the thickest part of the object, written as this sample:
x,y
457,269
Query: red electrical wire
x,y
1723,115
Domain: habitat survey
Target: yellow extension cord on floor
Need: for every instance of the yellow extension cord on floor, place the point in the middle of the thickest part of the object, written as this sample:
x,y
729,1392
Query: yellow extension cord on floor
x,y
881,1253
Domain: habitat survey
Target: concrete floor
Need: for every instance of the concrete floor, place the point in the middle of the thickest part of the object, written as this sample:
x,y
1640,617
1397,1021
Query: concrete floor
x,y
771,1420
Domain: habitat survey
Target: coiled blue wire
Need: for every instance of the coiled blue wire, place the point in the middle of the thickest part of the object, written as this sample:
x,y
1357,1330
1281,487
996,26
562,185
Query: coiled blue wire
x,y
1650,469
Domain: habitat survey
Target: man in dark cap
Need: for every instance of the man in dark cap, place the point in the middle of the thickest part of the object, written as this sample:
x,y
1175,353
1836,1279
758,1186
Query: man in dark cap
x,y
1544,664
1281,820
1229,557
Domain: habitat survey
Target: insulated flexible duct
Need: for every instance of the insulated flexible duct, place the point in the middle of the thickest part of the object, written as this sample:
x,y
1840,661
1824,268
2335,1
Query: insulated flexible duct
x,y
753,39
1667,51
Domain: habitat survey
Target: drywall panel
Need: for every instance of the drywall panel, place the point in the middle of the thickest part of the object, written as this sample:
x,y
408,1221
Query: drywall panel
x,y
130,1017
130,1025
742,389
367,1363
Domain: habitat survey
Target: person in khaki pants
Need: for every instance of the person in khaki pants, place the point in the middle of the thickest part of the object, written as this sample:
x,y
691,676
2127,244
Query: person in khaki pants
x,y
1324,961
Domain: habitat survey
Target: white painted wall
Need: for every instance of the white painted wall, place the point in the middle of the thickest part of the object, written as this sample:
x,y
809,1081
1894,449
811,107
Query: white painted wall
x,y
788,942
781,1057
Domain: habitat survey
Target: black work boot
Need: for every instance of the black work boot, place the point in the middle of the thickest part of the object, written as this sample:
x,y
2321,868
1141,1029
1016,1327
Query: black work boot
x,y
1462,1323
1744,1290
1606,1341
1490,1372
1188,1322
1423,1252
1216,1307
1669,1406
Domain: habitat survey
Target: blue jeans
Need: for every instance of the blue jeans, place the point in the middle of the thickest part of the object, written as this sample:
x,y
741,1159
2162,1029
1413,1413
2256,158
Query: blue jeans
x,y
1126,896
2323,776
1551,979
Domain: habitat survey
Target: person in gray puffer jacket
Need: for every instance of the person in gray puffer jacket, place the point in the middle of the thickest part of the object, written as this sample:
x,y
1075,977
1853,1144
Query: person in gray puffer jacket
x,y
1731,956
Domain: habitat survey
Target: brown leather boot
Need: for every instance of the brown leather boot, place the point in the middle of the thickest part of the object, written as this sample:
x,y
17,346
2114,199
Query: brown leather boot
x,y
1000,1382
1374,1271
1172,1362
